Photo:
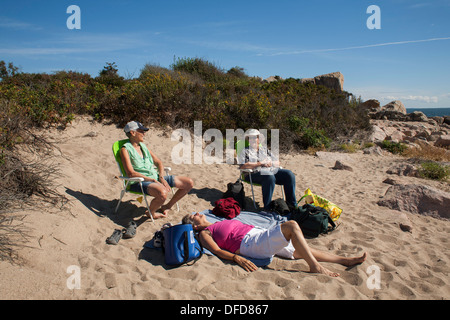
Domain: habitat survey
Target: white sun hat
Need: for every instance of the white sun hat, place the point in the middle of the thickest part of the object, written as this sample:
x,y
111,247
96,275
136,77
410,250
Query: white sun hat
x,y
252,132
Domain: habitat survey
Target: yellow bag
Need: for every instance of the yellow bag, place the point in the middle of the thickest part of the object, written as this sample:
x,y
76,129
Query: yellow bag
x,y
333,210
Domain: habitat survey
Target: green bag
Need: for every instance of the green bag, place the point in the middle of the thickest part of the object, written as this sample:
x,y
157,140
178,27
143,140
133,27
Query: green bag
x,y
313,220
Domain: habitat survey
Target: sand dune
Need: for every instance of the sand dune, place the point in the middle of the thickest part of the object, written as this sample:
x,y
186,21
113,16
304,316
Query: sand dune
x,y
412,265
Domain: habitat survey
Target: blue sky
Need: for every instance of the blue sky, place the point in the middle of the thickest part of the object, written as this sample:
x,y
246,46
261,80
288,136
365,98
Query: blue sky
x,y
407,59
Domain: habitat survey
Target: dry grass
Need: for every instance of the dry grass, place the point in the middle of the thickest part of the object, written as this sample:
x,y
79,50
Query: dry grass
x,y
27,176
13,235
425,151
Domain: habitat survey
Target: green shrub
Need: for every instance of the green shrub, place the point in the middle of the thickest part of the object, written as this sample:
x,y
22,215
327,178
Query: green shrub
x,y
152,69
237,72
394,147
308,136
434,171
349,147
204,69
110,76
7,71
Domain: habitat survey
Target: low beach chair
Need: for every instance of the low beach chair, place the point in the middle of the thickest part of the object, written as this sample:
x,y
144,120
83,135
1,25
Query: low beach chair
x,y
126,180
239,146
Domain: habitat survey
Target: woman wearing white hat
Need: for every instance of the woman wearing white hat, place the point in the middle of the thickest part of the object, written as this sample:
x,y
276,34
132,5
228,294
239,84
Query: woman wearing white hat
x,y
266,171
139,161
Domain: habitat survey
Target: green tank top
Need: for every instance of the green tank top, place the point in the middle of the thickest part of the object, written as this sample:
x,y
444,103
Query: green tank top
x,y
144,165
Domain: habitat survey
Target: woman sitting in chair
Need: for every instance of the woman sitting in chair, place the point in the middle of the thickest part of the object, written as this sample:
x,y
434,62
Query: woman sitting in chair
x,y
138,161
265,170
230,239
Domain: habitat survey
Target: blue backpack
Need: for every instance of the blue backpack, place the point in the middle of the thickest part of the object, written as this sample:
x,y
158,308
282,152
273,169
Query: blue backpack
x,y
181,245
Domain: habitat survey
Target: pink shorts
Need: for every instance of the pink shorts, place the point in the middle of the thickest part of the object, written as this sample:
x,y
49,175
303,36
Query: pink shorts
x,y
261,243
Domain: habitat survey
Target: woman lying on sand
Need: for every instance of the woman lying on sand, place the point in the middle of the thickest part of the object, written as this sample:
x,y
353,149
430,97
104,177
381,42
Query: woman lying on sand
x,y
228,239
138,161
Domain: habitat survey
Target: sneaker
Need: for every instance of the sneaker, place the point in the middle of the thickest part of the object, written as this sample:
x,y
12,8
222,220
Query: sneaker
x,y
158,239
115,237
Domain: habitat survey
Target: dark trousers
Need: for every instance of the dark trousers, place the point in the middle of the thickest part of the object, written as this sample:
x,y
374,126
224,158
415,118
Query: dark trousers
x,y
283,177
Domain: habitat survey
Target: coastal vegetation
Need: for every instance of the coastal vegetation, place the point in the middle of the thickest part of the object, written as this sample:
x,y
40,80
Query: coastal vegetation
x,y
190,90
434,171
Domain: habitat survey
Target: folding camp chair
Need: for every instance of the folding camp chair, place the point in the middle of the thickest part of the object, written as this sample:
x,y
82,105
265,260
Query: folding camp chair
x,y
239,146
127,181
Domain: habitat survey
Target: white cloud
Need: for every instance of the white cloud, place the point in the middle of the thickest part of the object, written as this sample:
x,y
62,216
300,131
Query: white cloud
x,y
81,43
8,23
46,51
427,99
228,45
357,47
407,96
420,5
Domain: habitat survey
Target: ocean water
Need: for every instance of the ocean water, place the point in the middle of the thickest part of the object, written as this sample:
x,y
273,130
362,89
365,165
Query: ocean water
x,y
431,112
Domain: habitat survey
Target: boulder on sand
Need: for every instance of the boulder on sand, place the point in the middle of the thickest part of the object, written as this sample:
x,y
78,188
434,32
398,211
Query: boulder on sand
x,y
417,199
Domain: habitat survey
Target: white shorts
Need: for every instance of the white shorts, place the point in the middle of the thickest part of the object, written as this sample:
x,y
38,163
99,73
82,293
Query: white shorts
x,y
265,243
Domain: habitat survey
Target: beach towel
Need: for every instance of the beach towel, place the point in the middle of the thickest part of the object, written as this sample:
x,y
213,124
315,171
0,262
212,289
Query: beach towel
x,y
261,219
258,219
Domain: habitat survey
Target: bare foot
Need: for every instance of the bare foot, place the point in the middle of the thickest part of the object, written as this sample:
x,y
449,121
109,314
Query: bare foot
x,y
164,209
156,215
349,262
322,270
159,215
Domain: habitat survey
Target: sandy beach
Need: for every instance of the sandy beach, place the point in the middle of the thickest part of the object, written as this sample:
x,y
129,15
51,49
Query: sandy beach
x,y
412,265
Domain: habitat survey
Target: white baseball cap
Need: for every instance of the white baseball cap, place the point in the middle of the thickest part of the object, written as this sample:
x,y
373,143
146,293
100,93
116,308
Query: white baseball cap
x,y
133,126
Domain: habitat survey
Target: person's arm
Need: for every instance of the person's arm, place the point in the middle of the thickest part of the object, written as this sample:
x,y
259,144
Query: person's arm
x,y
265,163
246,163
251,165
128,167
208,242
159,165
